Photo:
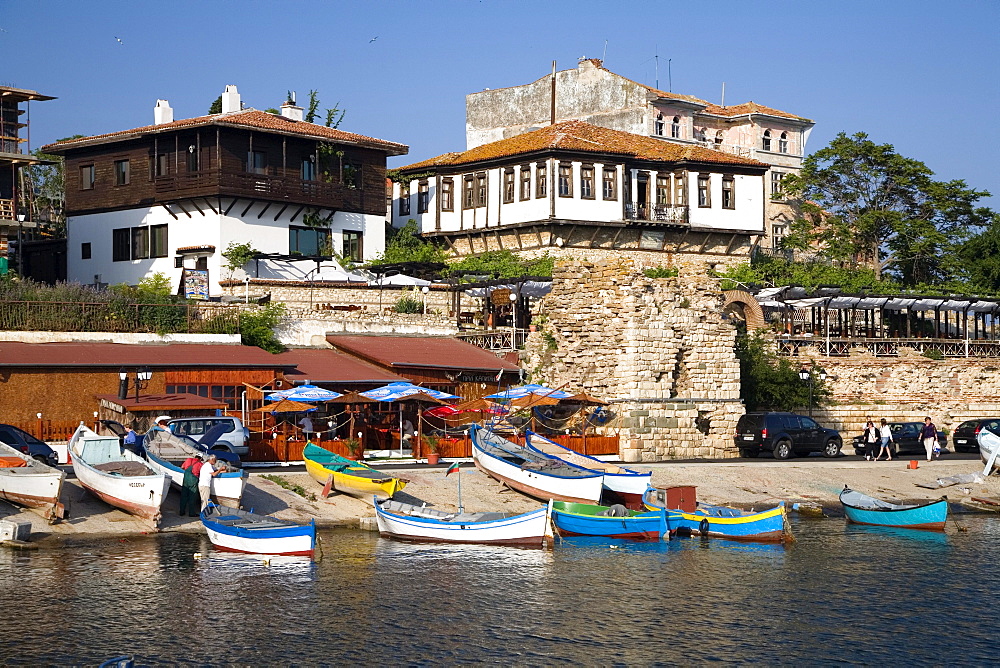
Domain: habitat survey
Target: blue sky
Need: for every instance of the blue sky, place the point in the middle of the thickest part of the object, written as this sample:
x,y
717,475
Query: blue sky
x,y
920,75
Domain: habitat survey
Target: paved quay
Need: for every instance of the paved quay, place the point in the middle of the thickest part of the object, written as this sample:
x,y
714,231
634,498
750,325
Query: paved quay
x,y
743,483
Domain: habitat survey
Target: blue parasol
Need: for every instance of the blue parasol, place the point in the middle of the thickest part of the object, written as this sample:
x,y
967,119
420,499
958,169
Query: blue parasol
x,y
526,390
304,393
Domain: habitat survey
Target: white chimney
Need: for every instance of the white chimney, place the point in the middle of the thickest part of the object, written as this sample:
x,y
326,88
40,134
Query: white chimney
x,y
231,100
291,112
162,113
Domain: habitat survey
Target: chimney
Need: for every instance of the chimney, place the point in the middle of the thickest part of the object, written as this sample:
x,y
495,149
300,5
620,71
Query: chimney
x,y
291,112
162,113
231,100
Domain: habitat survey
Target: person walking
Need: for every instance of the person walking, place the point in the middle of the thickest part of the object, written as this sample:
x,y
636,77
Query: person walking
x,y
928,433
885,434
871,438
205,480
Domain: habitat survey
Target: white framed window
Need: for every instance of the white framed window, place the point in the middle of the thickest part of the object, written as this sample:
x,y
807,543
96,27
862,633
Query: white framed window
x,y
658,125
783,143
777,187
675,128
765,141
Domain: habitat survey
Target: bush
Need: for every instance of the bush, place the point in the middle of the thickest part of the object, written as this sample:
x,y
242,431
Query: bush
x,y
257,327
768,381
933,354
660,272
408,304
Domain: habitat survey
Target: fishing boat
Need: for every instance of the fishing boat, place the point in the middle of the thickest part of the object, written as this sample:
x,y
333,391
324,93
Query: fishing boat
x,y
863,509
28,482
243,531
616,521
531,472
349,476
117,475
227,486
989,449
621,484
722,521
419,523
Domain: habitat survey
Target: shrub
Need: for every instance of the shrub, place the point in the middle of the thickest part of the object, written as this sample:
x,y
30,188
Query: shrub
x,y
408,304
257,327
933,354
660,272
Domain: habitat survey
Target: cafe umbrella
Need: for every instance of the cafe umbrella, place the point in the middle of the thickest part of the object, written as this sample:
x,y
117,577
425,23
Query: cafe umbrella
x,y
403,391
304,393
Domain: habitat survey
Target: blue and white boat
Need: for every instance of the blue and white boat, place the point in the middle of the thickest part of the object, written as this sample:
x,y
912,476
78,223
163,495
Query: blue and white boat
x,y
242,531
227,487
617,521
863,509
419,523
724,522
531,472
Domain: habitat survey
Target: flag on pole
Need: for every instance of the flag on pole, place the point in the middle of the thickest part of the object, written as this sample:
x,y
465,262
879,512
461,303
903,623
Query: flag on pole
x,y
499,374
451,469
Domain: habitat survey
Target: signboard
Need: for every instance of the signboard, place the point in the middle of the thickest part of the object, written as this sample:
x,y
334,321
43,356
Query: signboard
x,y
651,239
195,283
501,297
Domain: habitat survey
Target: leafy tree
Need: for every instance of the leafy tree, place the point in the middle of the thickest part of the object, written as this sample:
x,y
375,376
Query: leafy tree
x,y
312,110
765,270
49,190
980,259
503,264
257,327
864,203
770,382
406,245
334,116
216,106
238,255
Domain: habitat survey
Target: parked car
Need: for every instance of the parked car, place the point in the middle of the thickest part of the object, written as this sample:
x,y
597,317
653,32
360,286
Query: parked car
x,y
784,434
905,438
965,437
233,439
28,444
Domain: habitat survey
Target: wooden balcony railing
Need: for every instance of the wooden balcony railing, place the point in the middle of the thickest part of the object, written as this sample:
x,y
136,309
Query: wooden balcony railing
x,y
7,209
256,186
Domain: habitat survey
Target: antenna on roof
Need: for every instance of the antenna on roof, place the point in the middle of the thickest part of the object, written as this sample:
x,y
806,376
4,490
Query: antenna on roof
x,y
552,117
670,79
723,94
604,56
656,64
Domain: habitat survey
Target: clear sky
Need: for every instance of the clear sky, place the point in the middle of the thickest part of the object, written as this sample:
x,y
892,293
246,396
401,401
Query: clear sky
x,y
923,76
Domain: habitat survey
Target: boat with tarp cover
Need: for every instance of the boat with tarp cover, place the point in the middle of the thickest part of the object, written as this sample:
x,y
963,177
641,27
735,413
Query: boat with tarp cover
x,y
419,523
863,509
349,476
244,531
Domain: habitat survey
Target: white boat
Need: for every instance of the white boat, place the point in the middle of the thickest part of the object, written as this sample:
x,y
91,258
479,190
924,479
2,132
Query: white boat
x,y
409,522
533,473
989,443
241,531
117,475
28,482
625,484
227,487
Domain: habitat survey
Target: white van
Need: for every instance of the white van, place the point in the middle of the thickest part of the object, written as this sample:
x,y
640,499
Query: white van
x,y
234,439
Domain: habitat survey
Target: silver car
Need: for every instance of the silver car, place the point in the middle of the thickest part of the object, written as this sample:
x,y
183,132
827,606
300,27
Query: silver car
x,y
234,439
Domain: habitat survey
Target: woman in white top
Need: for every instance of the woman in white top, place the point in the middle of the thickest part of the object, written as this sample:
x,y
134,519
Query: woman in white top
x,y
886,435
871,440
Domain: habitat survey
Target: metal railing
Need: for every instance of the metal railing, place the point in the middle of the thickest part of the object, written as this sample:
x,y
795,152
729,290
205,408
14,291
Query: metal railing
x,y
658,213
838,347
498,340
110,317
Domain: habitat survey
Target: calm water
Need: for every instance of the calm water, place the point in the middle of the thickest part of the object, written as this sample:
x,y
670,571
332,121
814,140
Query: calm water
x,y
840,594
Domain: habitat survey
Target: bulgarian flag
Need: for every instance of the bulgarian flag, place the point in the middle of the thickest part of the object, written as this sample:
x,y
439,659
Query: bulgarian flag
x,y
451,469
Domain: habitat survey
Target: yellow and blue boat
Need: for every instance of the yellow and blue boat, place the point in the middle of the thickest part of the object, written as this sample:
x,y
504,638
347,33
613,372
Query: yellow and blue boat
x,y
349,476
724,522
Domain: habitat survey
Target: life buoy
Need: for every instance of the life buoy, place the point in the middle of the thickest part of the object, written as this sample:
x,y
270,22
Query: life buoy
x,y
703,527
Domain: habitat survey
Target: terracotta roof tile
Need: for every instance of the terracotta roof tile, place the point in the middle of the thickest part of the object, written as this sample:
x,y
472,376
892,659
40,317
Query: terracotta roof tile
x,y
249,118
328,366
402,352
578,136
116,355
749,108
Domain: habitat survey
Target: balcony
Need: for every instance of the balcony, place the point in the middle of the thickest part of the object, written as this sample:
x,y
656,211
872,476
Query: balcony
x,y
253,186
657,213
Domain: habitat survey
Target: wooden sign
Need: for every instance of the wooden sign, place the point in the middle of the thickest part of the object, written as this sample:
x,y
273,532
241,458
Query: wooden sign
x,y
501,297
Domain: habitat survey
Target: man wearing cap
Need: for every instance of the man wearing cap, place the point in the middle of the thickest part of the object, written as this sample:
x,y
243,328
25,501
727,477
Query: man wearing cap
x,y
205,480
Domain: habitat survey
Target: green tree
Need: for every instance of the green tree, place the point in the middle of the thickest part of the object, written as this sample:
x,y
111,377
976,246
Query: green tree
x,y
980,259
216,106
406,245
312,110
238,255
503,264
863,203
770,382
257,327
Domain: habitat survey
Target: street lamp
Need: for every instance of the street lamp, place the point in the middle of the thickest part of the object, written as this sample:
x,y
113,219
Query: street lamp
x,y
425,290
513,320
807,375
142,376
20,243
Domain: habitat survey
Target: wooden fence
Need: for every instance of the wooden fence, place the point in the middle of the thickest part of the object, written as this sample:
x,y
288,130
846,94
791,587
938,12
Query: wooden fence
x,y
50,430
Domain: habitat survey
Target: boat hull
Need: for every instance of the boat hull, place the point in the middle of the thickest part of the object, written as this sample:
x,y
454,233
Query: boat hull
x,y
227,487
234,530
33,485
293,546
929,516
526,530
731,523
382,487
580,520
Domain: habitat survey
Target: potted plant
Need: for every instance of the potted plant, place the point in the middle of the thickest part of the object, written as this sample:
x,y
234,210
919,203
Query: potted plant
x,y
354,449
433,444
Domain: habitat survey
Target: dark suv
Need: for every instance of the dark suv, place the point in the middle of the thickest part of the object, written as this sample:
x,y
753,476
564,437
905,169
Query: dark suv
x,y
784,434
965,437
28,444
905,438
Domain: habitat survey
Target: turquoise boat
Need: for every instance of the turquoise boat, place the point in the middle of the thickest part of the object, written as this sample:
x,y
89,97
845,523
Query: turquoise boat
x,y
863,509
617,521
770,525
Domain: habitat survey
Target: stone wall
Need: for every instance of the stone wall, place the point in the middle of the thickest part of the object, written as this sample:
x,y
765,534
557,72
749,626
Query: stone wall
x,y
316,297
658,348
305,327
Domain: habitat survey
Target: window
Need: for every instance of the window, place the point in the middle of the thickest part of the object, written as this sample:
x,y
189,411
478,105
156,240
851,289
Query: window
x,y
610,179
765,142
447,194
587,181
85,251
404,199
481,189
352,249
728,192
704,192
469,192
525,182
138,243
675,127
663,189
193,160
308,169
351,175
121,244
777,192
658,125
777,236
309,241
87,177
783,143
508,185
565,179
163,164
718,138
227,393
121,173
541,180
423,197
680,190
257,161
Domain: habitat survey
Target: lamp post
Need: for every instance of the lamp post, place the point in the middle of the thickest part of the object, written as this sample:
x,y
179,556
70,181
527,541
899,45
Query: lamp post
x,y
424,290
513,320
807,375
142,376
20,244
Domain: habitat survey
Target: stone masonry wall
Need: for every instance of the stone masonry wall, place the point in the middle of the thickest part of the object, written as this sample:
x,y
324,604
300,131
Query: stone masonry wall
x,y
658,348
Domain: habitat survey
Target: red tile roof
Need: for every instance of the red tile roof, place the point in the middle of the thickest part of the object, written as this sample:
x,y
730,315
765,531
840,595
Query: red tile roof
x,y
750,108
324,365
578,136
250,118
171,355
438,352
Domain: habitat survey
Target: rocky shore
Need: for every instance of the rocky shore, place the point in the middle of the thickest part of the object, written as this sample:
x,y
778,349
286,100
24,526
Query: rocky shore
x,y
810,481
